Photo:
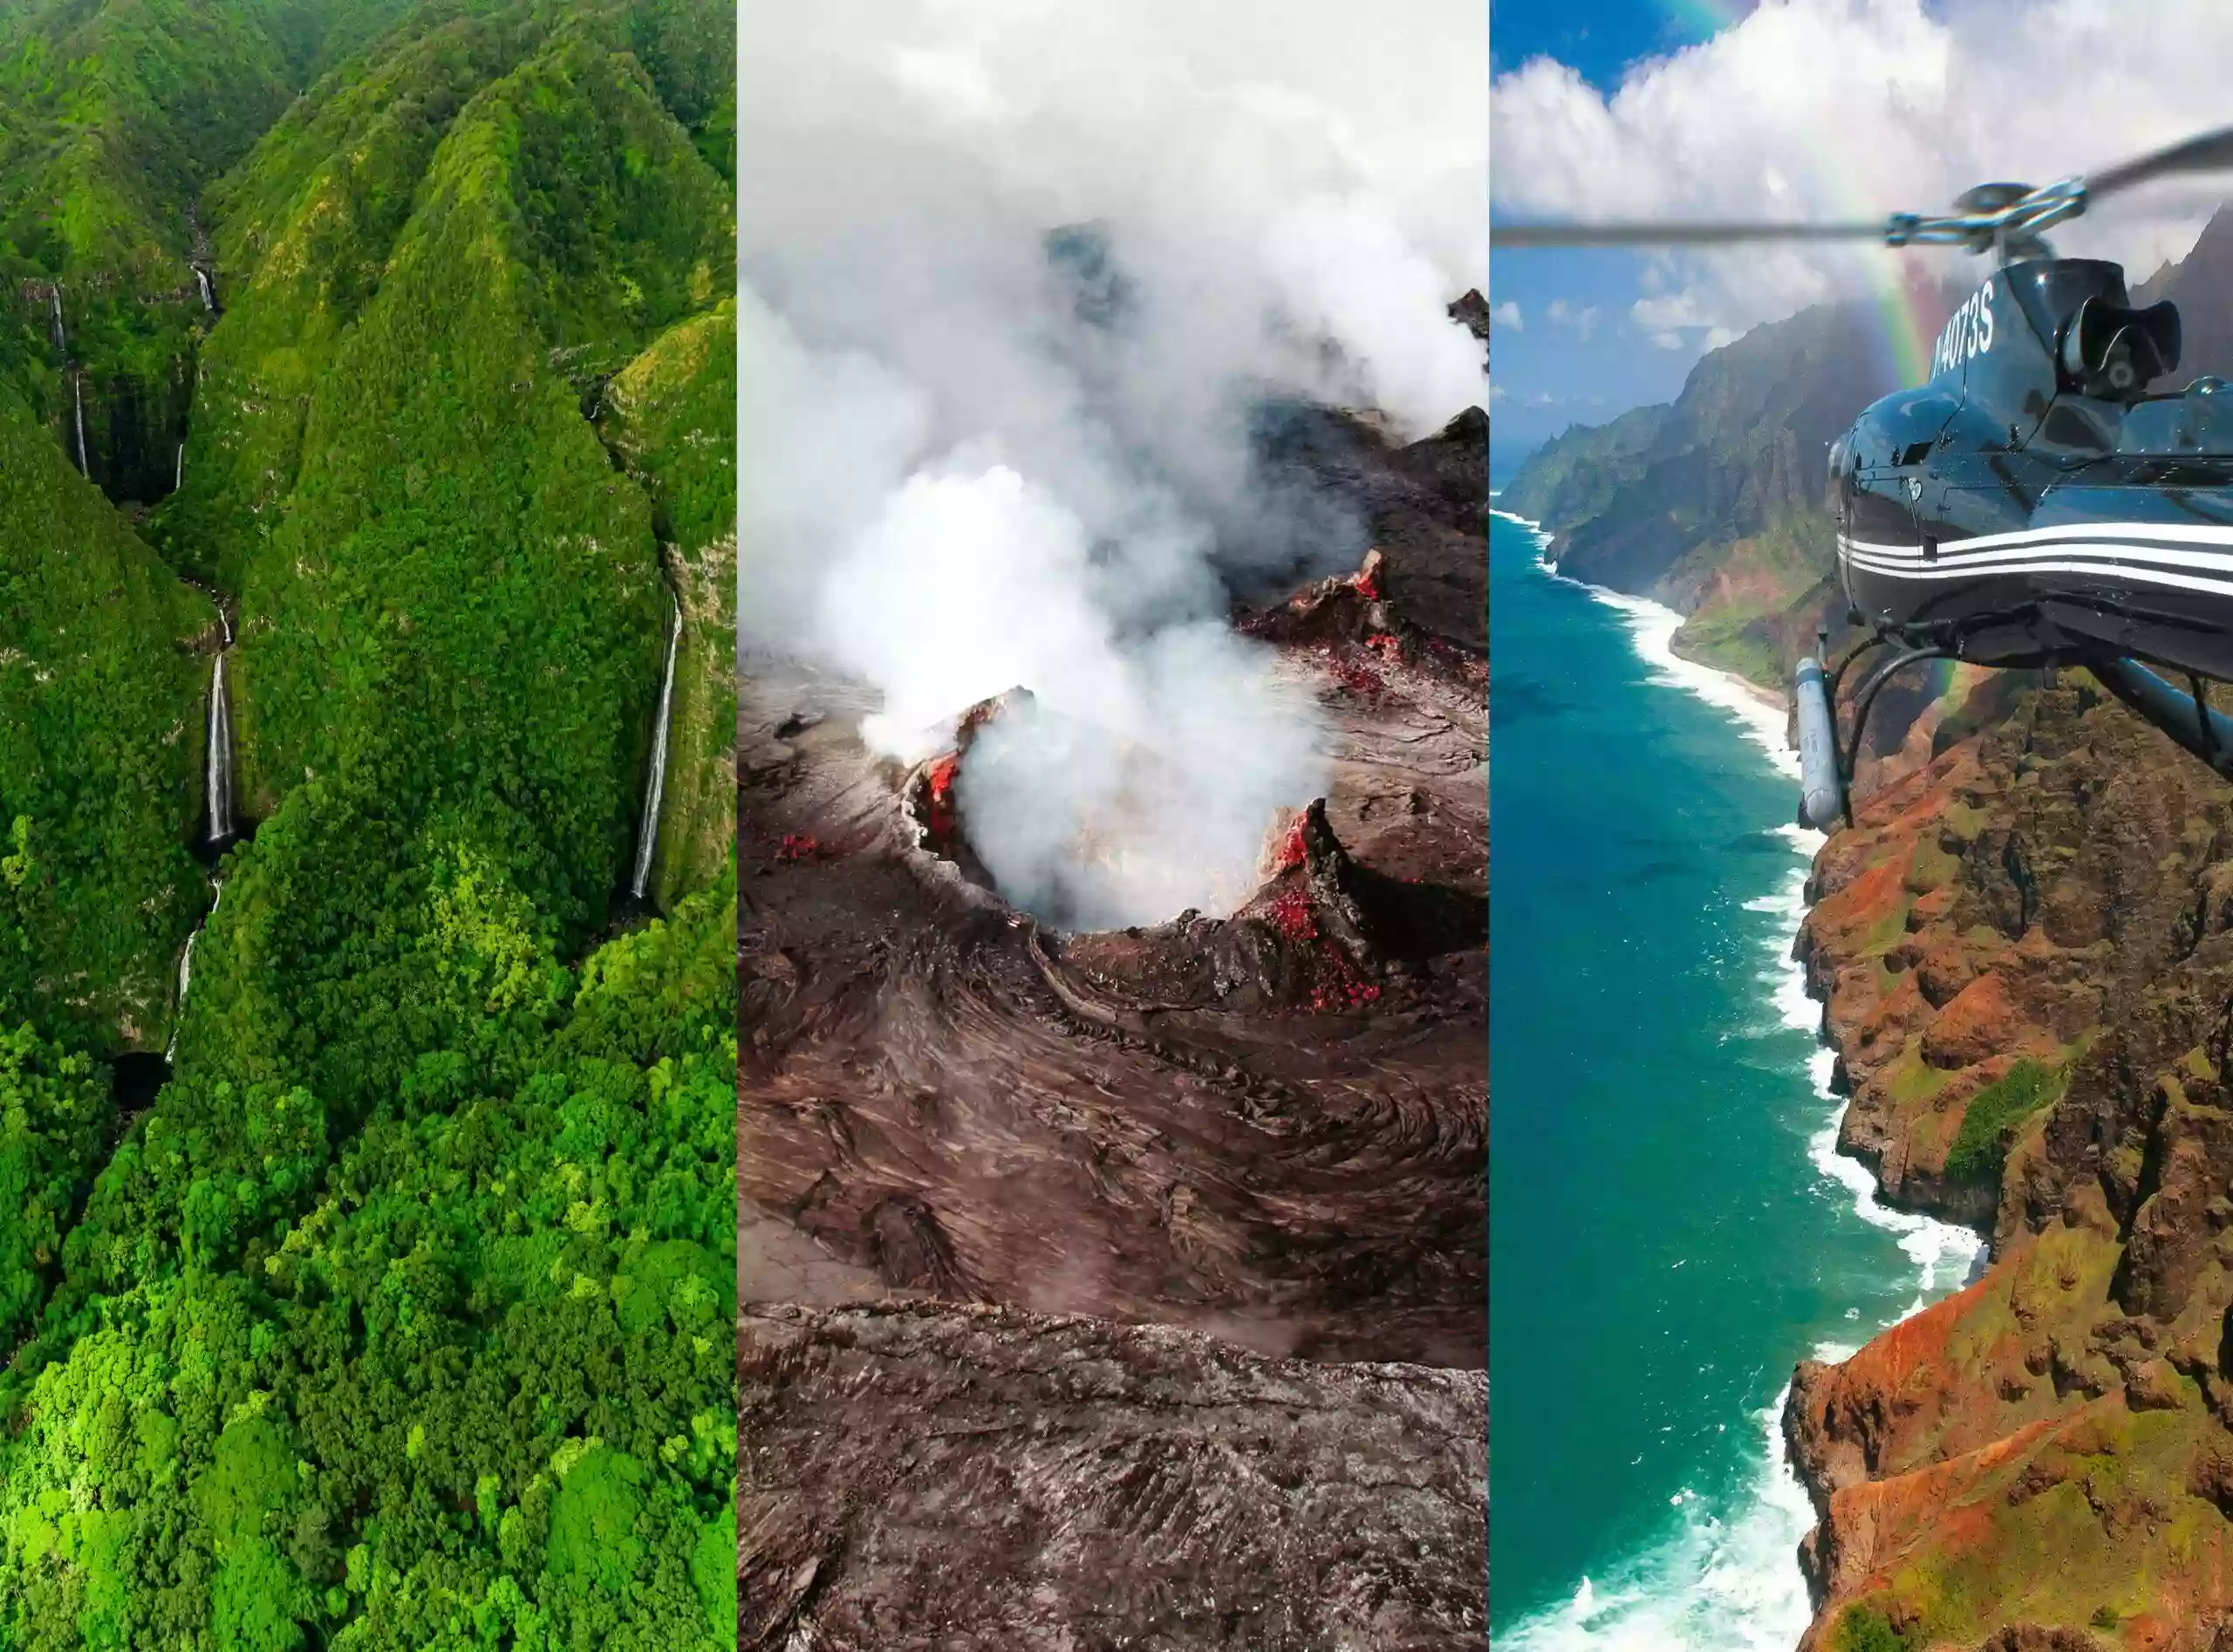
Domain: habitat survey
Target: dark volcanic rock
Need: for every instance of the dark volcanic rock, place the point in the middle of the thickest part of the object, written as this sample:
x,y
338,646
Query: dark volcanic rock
x,y
925,1476
1423,505
1268,1129
1273,1124
1090,1124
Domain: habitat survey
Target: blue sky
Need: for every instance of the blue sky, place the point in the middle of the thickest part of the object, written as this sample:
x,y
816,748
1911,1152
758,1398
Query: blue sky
x,y
1587,360
1827,110
1599,38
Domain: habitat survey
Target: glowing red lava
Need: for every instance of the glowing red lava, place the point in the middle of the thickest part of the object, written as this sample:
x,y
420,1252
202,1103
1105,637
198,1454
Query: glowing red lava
x,y
938,796
1353,675
1337,983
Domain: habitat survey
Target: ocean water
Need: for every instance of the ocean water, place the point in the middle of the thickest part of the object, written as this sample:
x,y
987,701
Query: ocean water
x,y
1671,1228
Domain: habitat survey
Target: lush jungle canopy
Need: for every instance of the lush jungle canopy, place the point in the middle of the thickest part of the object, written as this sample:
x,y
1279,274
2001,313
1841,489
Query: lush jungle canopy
x,y
400,1315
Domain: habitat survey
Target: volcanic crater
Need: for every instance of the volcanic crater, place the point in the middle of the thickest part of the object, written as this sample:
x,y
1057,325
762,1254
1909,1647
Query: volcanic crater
x,y
1267,1127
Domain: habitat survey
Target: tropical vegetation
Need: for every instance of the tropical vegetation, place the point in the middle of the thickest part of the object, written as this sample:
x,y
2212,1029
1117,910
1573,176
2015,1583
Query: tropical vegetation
x,y
369,1283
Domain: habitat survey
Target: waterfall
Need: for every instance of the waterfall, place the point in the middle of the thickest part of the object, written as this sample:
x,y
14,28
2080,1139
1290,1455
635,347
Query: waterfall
x,y
186,969
218,784
178,475
77,394
648,834
61,337
209,298
217,793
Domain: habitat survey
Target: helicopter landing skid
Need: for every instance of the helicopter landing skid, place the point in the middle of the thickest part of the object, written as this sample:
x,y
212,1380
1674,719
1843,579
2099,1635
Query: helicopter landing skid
x,y
1827,762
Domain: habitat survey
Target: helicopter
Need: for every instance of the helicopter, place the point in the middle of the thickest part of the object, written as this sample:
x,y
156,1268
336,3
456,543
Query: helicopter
x,y
2036,502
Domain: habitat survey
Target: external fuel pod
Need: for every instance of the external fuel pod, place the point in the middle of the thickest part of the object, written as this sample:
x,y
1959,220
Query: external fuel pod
x,y
1822,793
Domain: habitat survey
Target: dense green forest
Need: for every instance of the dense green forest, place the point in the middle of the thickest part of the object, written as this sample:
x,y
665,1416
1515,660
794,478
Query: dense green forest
x,y
395,1308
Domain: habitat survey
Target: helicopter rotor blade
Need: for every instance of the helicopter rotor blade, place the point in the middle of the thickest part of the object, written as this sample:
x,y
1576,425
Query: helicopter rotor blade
x,y
2211,152
1673,234
2008,217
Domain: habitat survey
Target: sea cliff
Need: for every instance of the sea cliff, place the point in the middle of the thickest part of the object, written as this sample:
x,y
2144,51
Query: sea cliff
x,y
2024,951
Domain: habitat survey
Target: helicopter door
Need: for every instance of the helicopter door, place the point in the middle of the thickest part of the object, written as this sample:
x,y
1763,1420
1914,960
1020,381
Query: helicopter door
x,y
1910,437
1976,494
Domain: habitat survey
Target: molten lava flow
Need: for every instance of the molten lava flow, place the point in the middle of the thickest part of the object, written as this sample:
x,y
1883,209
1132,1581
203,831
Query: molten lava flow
x,y
1336,982
798,846
938,796
1290,914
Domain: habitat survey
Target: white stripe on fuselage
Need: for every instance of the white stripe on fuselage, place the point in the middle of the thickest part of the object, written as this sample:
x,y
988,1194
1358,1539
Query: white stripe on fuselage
x,y
2098,562
2166,532
1960,554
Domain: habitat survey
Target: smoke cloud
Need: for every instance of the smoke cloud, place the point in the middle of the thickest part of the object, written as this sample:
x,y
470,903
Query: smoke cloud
x,y
1020,280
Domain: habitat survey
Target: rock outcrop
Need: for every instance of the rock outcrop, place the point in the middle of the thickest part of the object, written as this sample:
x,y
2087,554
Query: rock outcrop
x,y
2027,966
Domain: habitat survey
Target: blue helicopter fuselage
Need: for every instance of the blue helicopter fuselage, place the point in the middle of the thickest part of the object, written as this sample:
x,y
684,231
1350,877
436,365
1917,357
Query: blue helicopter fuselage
x,y
2032,503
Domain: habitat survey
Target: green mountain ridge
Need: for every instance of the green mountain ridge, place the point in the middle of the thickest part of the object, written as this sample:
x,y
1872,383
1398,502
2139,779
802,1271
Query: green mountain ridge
x,y
400,1315
1745,447
119,116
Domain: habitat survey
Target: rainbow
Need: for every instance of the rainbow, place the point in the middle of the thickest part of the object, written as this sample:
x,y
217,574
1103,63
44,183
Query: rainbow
x,y
1903,304
1902,298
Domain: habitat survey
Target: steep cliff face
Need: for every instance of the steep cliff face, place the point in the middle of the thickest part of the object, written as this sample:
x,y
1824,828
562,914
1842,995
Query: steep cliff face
x,y
1742,450
2026,955
120,118
2198,284
670,418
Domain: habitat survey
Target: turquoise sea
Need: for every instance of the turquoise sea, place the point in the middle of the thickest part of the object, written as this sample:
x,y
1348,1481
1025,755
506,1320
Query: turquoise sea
x,y
1670,1228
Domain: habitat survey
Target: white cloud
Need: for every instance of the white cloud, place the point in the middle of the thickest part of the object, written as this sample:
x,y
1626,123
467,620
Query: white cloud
x,y
1581,319
1675,309
1507,315
1849,109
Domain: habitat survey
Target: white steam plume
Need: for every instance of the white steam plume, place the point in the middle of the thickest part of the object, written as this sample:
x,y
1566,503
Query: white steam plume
x,y
971,459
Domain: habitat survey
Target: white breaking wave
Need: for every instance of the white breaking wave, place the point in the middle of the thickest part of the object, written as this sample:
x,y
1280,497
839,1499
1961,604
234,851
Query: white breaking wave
x,y
1724,1580
1651,628
1727,1578
1946,1255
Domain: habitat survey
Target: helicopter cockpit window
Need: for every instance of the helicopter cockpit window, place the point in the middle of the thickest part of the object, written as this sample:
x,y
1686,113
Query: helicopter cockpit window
x,y
1913,453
